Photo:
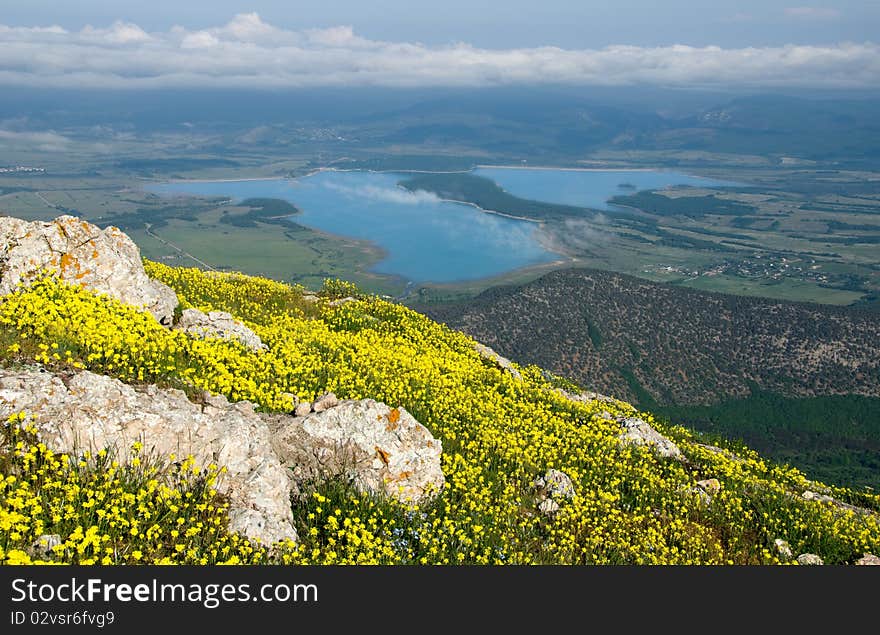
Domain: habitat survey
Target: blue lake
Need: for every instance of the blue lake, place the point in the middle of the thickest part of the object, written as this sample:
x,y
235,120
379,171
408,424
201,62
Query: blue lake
x,y
587,188
427,239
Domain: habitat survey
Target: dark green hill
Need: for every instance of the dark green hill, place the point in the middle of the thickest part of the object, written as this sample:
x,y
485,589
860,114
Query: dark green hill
x,y
750,368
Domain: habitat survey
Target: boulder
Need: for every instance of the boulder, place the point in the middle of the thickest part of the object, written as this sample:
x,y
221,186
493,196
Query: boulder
x,y
105,261
868,560
341,301
325,402
815,496
554,484
43,546
303,408
548,507
783,548
706,490
586,396
92,412
378,448
218,325
635,431
551,488
810,560
710,485
502,362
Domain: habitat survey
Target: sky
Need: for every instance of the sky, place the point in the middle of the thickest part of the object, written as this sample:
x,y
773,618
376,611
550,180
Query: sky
x,y
280,43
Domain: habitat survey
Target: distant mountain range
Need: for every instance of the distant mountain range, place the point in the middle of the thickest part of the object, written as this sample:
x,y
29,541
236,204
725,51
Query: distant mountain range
x,y
550,124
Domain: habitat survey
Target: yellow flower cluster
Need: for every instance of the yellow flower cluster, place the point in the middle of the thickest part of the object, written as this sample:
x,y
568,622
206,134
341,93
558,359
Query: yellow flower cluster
x,y
106,513
498,435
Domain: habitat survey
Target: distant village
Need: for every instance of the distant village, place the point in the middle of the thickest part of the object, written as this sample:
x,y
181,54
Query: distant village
x,y
760,266
19,168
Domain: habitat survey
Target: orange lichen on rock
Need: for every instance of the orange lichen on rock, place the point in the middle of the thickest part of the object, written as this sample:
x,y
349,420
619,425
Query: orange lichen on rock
x,y
66,261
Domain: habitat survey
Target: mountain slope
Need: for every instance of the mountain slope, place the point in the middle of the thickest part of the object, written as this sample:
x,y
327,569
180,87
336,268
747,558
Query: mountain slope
x,y
658,343
626,502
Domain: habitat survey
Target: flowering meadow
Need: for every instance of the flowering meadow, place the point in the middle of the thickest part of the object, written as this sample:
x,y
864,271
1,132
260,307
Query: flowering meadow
x,y
499,433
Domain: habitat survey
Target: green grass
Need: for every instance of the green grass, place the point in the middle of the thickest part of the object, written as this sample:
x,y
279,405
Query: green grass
x,y
784,289
290,253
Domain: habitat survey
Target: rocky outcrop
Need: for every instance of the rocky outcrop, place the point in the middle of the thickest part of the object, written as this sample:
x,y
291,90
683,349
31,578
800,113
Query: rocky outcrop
x,y
868,560
218,325
809,495
378,448
586,396
341,301
635,431
92,412
706,490
810,560
325,402
43,546
502,362
105,261
551,489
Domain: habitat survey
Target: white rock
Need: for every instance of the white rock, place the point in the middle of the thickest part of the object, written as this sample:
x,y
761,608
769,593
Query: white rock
x,y
218,325
303,408
93,412
868,560
548,507
502,362
342,301
380,449
783,548
635,431
325,402
42,546
710,485
814,496
810,559
105,261
586,396
555,484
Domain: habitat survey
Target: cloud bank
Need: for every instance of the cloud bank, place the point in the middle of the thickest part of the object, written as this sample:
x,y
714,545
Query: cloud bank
x,y
249,53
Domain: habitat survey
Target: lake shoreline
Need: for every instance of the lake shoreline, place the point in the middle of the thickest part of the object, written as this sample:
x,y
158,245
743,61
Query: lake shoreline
x,y
411,238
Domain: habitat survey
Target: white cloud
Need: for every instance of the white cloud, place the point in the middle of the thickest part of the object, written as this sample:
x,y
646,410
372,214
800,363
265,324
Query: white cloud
x,y
118,33
812,13
198,40
249,53
384,194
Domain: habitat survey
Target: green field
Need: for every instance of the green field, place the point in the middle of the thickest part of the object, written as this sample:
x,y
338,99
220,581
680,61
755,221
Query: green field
x,y
292,253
